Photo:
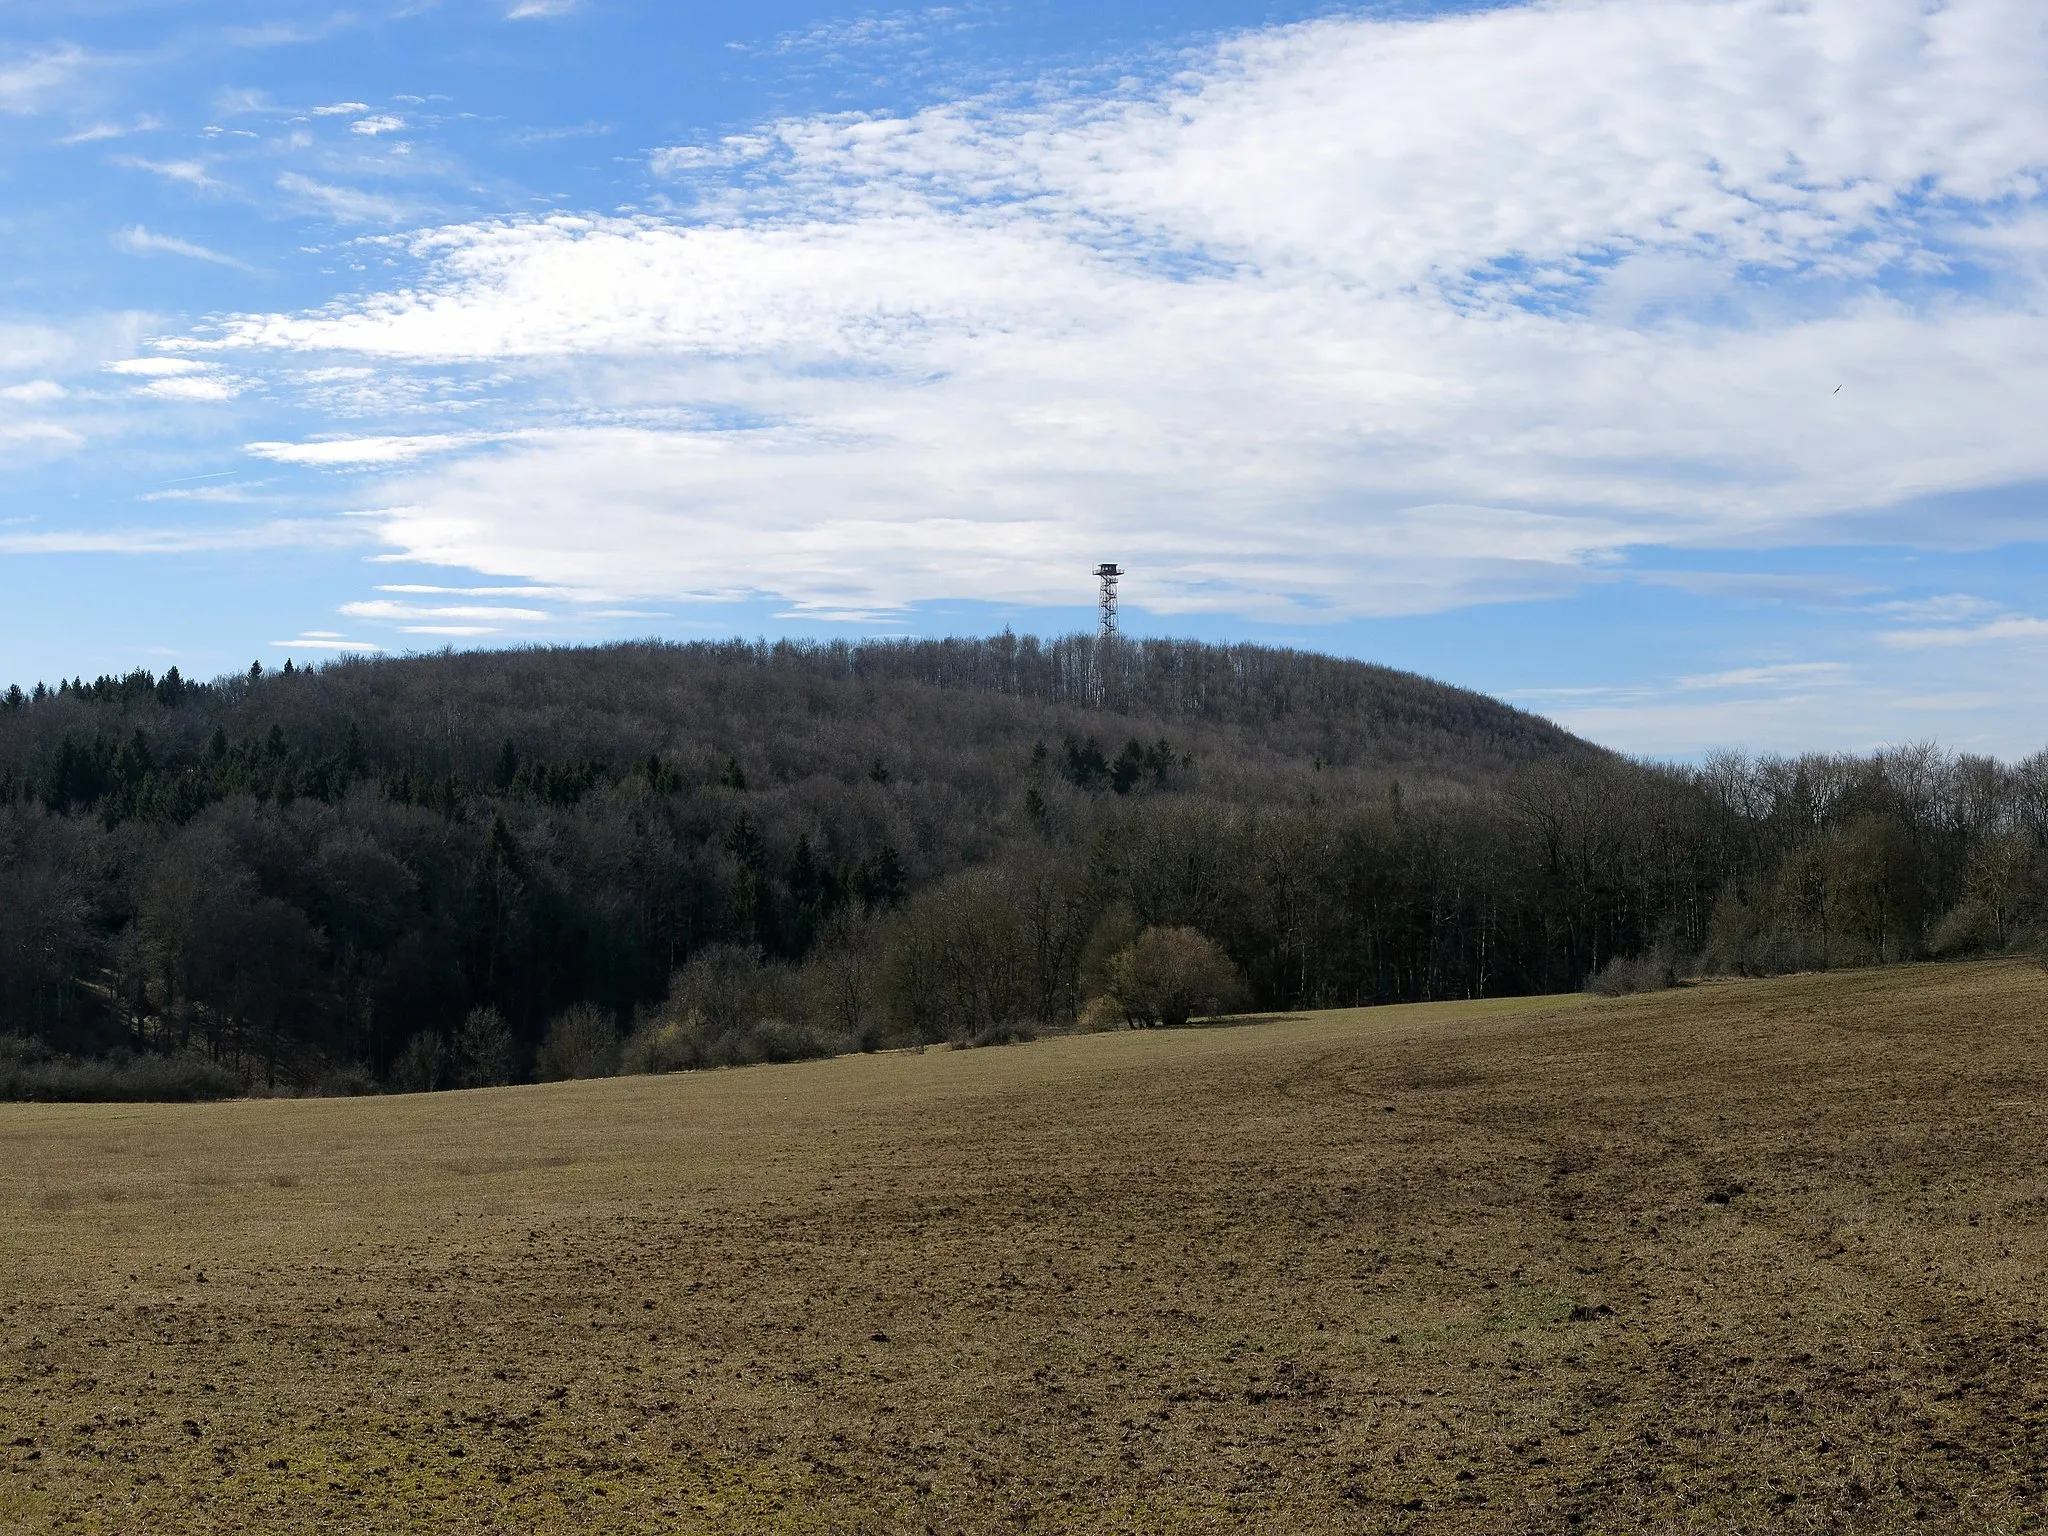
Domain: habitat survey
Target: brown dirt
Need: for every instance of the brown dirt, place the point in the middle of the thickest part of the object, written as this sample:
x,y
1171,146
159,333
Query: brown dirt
x,y
1757,1256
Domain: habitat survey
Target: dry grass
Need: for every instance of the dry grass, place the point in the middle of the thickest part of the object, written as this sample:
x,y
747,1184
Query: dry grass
x,y
1764,1256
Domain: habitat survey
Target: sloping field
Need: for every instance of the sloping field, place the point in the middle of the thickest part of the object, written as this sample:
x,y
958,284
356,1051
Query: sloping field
x,y
1760,1256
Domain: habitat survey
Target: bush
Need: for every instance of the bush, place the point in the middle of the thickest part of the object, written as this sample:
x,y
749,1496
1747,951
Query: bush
x,y
844,982
726,1008
769,1040
484,1050
988,953
1102,1013
582,1042
1968,928
660,1045
1169,975
1652,971
720,989
998,1034
342,1083
1115,931
422,1066
28,1072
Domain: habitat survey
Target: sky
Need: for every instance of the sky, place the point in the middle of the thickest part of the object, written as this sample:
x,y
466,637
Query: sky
x,y
1675,368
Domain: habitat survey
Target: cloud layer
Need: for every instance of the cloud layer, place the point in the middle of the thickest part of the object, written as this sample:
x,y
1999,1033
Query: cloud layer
x,y
1356,317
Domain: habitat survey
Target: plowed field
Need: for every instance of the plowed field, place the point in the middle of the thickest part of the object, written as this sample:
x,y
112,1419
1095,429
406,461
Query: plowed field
x,y
1748,1256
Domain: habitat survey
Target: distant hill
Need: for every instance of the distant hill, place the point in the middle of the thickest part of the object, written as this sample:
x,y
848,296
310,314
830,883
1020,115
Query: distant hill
x,y
452,869
1251,716
352,854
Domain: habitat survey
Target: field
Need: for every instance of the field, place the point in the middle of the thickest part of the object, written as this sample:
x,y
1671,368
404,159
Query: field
x,y
1750,1256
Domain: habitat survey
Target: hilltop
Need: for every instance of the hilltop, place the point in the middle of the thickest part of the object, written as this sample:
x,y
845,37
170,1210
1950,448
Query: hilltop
x,y
928,711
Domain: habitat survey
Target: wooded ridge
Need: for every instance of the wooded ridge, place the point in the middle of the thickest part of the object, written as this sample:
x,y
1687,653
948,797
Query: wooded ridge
x,y
474,866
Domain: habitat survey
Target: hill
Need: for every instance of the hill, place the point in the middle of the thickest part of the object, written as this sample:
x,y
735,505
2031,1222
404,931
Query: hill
x,y
963,712
316,866
1757,1256
468,869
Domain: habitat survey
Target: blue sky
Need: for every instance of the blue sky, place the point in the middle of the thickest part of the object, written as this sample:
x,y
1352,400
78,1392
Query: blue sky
x,y
1674,367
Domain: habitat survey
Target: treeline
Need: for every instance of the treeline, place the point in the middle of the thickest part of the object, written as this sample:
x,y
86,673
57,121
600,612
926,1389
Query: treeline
x,y
475,867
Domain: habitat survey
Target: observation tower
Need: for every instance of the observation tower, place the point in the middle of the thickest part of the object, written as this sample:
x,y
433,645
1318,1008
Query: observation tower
x,y
1107,574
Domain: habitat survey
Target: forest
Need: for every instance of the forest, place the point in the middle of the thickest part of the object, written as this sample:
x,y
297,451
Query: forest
x,y
483,867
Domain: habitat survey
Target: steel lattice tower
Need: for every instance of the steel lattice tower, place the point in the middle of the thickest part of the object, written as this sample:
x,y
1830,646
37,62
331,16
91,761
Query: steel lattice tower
x,y
1107,574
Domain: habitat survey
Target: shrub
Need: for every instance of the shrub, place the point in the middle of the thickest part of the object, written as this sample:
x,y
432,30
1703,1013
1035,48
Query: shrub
x,y
1102,1013
768,1040
422,1066
582,1042
342,1083
719,989
1968,928
29,1072
844,982
1652,971
1169,975
988,953
1115,931
998,1034
484,1050
660,1045
727,1008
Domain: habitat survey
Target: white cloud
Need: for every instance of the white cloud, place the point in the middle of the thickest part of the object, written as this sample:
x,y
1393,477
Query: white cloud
x,y
532,10
180,378
527,137
871,31
498,614
1950,607
1846,708
449,620
277,34
356,451
1819,590
1790,674
27,82
39,434
35,346
2012,627
415,589
159,367
284,533
370,127
99,132
191,173
341,108
325,640
345,204
205,390
1351,317
215,495
34,392
139,241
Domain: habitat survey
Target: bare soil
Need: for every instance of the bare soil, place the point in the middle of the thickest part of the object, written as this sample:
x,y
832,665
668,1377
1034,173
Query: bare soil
x,y
1760,1256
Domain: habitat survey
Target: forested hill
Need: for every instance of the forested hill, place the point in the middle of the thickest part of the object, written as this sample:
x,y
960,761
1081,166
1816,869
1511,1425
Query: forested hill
x,y
358,852
964,713
463,867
